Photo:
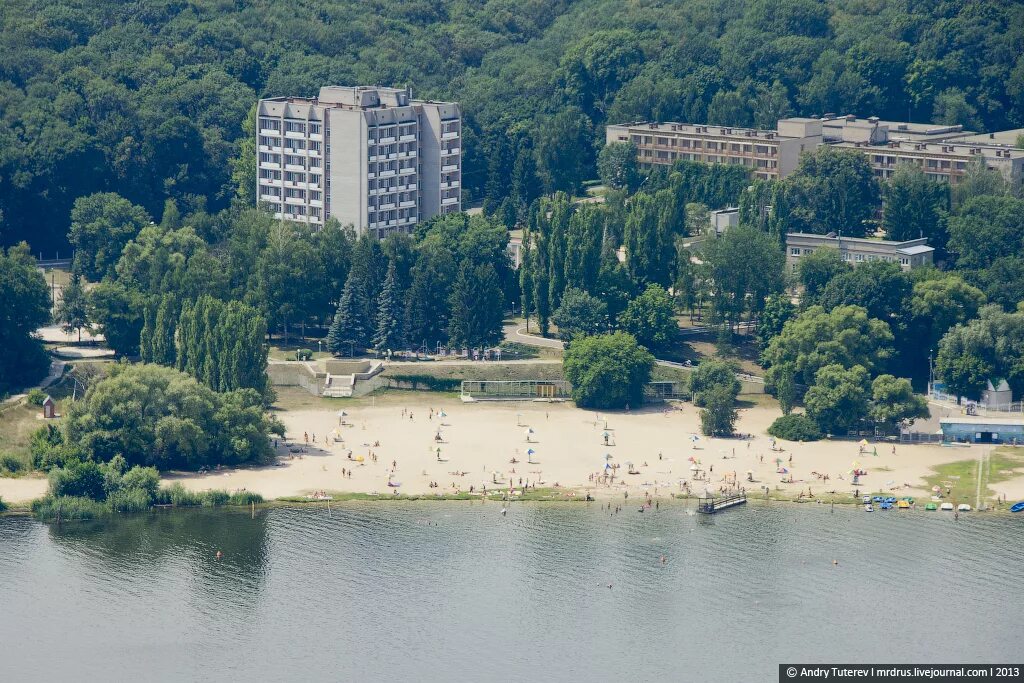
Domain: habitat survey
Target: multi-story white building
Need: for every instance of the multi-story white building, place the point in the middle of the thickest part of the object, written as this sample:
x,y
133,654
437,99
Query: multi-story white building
x,y
370,157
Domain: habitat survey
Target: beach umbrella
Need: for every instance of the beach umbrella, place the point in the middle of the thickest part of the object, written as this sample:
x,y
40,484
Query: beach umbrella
x,y
529,430
778,461
442,414
530,451
342,413
608,456
694,437
863,442
694,468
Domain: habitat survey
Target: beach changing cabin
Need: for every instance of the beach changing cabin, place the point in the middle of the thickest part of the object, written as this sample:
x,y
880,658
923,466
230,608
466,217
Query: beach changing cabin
x,y
49,408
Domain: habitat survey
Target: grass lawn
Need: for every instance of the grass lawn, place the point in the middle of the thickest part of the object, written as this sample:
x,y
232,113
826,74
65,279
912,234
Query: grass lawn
x,y
16,426
962,476
282,352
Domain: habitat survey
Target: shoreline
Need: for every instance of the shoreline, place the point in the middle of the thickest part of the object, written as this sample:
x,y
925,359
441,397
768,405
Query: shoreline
x,y
368,448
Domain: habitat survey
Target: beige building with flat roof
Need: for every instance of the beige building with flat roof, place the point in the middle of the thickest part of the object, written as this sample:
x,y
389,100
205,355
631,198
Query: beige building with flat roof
x,y
371,157
857,250
943,152
767,153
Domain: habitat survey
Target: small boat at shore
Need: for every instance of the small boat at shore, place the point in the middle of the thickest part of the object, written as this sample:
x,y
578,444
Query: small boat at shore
x,y
931,507
963,507
902,505
868,508
1017,507
946,507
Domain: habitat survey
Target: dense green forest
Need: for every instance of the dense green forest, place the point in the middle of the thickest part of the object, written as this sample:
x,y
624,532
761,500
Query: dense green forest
x,y
149,98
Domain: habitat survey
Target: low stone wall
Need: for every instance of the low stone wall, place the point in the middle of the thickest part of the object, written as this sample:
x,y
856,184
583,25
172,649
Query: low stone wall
x,y
296,374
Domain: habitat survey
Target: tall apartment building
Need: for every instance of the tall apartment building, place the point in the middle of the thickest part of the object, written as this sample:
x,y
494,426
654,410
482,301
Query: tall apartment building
x,y
768,153
943,152
371,157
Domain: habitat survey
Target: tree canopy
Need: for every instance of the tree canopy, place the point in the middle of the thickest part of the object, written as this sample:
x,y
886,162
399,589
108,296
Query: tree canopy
x,y
607,370
158,416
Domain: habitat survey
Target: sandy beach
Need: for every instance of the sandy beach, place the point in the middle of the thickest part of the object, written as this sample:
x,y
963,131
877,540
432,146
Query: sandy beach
x,y
395,439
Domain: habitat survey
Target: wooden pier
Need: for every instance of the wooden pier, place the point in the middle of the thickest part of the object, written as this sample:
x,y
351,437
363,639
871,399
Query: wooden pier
x,y
711,505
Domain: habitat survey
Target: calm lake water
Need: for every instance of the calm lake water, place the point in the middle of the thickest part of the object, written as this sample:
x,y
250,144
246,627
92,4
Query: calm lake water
x,y
455,591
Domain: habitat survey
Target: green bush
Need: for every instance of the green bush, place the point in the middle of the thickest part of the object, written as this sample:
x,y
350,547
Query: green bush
x,y
245,498
36,397
304,354
67,507
3,505
212,499
795,427
78,479
11,463
130,500
177,495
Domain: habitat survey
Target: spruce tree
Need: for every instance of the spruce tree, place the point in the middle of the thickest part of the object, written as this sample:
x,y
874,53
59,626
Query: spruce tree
x,y
390,328
426,301
349,327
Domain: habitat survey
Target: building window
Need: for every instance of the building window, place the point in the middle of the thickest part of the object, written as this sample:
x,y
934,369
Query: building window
x,y
859,257
294,127
794,251
314,128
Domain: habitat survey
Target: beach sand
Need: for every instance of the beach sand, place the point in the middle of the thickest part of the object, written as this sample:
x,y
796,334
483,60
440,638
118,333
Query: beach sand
x,y
480,439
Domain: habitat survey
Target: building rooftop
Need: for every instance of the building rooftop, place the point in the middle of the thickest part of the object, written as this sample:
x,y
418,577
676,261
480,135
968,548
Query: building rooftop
x,y
979,420
910,244
1002,137
700,129
915,249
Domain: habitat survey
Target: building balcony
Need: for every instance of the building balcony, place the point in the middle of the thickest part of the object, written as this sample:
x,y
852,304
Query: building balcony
x,y
393,156
295,135
450,167
294,167
385,174
316,202
406,138
270,165
450,136
270,132
450,152
386,207
313,152
272,182
268,148
407,188
447,201
371,175
270,198
406,171
411,154
294,200
388,140
406,205
316,136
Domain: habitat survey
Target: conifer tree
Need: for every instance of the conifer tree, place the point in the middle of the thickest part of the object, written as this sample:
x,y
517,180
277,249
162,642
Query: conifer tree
x,y
350,322
390,328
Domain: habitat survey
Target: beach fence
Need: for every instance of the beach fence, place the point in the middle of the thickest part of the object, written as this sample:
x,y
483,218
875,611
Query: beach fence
x,y
515,390
554,390
664,391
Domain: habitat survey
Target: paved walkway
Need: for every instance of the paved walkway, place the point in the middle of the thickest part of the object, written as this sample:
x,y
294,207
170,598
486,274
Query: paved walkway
x,y
56,370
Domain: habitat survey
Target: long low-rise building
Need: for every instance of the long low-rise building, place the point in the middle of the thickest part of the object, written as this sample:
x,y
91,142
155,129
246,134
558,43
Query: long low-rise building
x,y
857,250
971,429
943,152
